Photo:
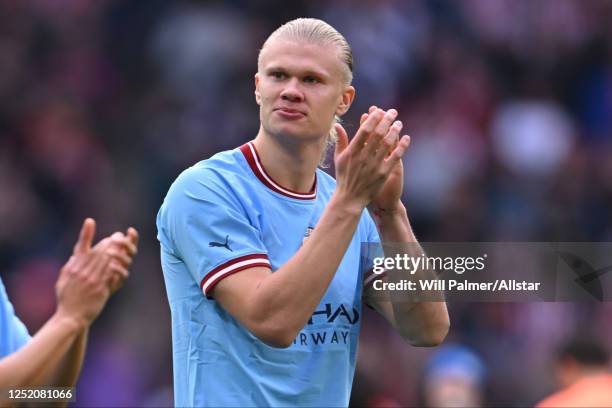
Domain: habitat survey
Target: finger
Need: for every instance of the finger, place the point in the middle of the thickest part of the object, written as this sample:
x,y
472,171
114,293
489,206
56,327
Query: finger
x,y
386,122
69,267
116,282
120,256
133,235
117,235
109,241
117,271
95,265
125,245
363,118
366,128
86,236
79,261
379,133
397,153
390,140
118,240
394,133
102,244
365,115
342,141
107,272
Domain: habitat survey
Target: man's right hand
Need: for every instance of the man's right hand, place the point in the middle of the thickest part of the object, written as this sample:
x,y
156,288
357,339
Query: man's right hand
x,y
92,274
364,164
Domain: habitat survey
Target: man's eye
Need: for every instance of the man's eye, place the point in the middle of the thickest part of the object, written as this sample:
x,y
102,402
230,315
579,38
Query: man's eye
x,y
311,80
278,75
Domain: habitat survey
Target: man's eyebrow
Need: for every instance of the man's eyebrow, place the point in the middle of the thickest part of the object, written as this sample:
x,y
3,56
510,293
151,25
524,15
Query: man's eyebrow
x,y
302,72
274,69
315,73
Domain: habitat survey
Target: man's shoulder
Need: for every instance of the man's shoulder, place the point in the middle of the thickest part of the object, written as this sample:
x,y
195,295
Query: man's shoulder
x,y
222,169
219,181
223,163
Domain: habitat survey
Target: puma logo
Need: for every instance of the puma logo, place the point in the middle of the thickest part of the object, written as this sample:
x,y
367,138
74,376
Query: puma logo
x,y
218,244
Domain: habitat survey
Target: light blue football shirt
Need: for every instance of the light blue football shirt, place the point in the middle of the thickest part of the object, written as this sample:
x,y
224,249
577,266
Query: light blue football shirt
x,y
224,215
13,333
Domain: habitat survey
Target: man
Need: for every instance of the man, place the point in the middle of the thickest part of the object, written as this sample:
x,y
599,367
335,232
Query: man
x,y
53,357
261,250
584,374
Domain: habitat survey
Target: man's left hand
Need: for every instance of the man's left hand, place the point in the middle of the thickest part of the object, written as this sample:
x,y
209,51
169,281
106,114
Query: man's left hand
x,y
387,202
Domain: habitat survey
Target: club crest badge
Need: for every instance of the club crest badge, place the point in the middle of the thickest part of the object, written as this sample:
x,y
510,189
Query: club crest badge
x,y
307,233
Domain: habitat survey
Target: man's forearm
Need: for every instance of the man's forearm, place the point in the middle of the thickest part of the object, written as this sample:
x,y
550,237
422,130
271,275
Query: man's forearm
x,y
290,295
422,323
36,361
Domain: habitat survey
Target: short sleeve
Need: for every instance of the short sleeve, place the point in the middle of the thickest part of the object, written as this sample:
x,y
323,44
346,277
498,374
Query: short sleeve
x,y
203,223
13,333
371,250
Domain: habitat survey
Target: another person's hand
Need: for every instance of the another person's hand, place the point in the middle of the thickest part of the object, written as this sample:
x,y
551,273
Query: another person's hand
x,y
92,274
122,248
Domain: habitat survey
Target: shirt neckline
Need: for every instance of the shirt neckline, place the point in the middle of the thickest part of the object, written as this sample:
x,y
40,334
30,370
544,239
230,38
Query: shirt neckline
x,y
252,157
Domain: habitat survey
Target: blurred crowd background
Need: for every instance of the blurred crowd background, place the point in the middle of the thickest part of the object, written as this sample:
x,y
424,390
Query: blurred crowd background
x,y
509,103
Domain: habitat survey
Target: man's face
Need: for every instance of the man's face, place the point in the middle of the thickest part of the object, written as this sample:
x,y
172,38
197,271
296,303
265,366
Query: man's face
x,y
300,87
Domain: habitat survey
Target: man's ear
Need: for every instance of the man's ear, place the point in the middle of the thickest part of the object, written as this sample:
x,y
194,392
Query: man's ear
x,y
257,95
348,95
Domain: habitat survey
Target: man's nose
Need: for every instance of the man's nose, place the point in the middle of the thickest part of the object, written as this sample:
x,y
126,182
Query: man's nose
x,y
292,91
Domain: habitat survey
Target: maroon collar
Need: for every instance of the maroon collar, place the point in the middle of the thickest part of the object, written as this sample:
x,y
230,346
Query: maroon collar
x,y
252,157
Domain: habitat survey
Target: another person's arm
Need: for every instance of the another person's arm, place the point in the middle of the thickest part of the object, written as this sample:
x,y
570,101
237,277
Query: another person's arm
x,y
53,356
122,248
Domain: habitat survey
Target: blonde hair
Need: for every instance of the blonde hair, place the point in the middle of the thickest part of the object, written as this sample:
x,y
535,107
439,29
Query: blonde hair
x,y
315,31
